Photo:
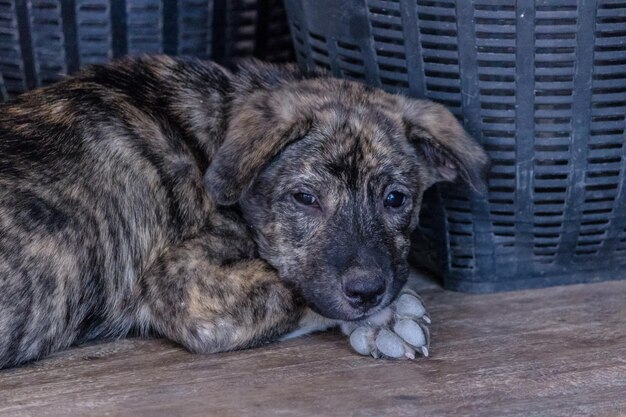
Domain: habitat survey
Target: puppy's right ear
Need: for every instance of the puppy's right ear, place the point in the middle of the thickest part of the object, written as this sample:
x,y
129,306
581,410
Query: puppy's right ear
x,y
257,131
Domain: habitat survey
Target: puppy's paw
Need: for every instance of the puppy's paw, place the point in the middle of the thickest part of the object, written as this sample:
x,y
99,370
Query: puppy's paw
x,y
399,331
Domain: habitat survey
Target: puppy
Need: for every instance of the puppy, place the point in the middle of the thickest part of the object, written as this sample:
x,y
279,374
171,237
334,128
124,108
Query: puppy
x,y
218,209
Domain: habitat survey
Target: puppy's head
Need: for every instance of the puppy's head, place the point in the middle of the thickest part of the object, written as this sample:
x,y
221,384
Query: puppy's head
x,y
330,176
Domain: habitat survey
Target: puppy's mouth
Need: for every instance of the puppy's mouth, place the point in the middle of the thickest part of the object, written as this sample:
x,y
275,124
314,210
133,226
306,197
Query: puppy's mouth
x,y
338,308
330,298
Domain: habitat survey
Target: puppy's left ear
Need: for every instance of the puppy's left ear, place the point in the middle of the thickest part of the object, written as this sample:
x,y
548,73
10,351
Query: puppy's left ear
x,y
442,143
258,130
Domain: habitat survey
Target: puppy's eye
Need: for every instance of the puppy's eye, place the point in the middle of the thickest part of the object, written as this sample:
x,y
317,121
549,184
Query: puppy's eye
x,y
306,199
395,199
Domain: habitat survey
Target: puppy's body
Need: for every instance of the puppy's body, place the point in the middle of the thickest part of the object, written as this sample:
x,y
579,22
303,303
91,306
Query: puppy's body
x,y
99,176
106,225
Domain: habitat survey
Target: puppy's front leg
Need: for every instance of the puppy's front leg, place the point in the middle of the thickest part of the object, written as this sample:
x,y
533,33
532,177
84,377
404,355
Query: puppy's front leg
x,y
210,306
213,306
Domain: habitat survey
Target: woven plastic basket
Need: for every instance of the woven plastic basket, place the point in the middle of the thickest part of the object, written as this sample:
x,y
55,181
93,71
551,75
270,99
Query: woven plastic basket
x,y
542,85
43,40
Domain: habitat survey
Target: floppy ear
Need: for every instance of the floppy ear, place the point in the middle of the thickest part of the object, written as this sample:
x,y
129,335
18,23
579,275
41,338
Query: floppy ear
x,y
442,143
257,131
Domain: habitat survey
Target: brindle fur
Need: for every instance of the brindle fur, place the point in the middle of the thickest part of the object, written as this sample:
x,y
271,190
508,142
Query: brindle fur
x,y
106,226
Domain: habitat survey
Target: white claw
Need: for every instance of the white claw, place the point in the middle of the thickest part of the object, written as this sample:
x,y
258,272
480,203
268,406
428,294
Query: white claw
x,y
410,355
424,350
390,344
409,306
426,318
411,332
360,340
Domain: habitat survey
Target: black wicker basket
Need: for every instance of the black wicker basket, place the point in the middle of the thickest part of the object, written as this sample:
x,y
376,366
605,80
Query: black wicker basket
x,y
542,85
43,40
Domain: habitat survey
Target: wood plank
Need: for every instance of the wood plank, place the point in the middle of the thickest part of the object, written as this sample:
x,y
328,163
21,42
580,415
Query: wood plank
x,y
558,351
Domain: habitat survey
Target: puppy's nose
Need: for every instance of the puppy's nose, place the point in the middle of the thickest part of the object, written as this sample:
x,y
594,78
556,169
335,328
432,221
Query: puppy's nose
x,y
364,289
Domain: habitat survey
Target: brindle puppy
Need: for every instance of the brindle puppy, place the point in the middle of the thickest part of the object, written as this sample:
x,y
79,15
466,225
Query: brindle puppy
x,y
106,225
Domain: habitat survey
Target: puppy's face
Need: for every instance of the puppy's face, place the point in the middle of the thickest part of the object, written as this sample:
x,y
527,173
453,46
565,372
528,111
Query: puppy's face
x,y
333,213
330,176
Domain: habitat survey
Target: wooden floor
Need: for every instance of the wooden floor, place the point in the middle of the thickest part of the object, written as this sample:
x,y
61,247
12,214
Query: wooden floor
x,y
553,352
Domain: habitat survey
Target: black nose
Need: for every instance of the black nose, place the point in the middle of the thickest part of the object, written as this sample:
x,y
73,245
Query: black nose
x,y
364,289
